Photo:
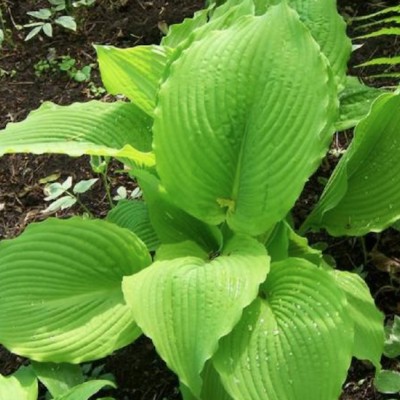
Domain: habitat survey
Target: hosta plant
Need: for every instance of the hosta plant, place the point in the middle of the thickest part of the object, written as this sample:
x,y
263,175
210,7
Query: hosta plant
x,y
227,120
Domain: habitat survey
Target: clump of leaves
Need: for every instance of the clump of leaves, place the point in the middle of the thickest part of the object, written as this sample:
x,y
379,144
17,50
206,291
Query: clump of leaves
x,y
222,131
63,382
64,64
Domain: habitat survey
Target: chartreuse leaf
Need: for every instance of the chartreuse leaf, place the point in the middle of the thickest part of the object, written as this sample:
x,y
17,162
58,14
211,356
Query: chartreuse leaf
x,y
284,242
58,378
182,249
178,33
86,390
363,193
286,343
212,386
134,215
246,106
207,20
369,333
118,129
355,102
133,72
60,289
187,304
22,385
327,27
172,224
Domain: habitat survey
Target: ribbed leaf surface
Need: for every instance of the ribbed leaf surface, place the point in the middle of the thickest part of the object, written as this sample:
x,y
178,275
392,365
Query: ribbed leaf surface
x,y
369,333
205,21
135,72
186,305
355,102
327,27
134,215
110,129
363,194
293,345
234,137
60,289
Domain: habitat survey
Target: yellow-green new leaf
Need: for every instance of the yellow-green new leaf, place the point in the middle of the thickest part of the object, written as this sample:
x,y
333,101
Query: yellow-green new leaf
x,y
294,343
135,72
244,139
60,289
187,304
119,130
363,193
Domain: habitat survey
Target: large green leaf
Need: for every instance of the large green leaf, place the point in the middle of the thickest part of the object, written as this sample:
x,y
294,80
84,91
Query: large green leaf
x,y
135,72
172,224
295,343
108,129
187,304
60,289
327,27
244,139
363,194
369,333
134,215
22,385
355,103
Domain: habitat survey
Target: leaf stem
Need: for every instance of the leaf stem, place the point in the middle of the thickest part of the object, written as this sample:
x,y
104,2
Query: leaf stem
x,y
107,188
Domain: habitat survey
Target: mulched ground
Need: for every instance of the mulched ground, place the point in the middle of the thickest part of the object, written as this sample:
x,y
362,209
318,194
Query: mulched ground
x,y
140,374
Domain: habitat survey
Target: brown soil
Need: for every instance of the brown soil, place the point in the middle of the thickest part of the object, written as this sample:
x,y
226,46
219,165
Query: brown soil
x,y
139,372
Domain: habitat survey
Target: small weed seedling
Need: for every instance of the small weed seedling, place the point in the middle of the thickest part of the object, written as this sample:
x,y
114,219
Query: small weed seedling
x,y
388,381
64,64
45,18
63,197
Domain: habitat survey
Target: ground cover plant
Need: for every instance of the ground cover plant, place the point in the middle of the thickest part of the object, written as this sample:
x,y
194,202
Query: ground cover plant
x,y
228,249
